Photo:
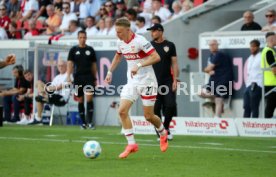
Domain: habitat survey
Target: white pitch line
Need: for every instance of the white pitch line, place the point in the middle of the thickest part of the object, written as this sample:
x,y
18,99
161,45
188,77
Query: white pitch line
x,y
152,145
212,144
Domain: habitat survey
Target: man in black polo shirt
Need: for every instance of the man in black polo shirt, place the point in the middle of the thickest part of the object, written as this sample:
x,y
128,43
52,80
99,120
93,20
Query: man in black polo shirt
x,y
166,72
82,63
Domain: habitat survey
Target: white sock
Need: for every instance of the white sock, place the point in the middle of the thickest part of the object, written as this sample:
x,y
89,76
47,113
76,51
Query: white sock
x,y
161,130
129,136
38,118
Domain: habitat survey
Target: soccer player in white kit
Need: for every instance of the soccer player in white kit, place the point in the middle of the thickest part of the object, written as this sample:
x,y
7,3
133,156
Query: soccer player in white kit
x,y
141,81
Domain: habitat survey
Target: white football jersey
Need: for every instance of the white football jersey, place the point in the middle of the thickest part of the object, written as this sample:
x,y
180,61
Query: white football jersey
x,y
136,50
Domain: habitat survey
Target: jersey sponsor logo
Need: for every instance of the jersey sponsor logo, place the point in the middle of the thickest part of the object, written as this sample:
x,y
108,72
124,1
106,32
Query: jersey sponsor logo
x,y
87,52
132,56
166,49
78,53
147,46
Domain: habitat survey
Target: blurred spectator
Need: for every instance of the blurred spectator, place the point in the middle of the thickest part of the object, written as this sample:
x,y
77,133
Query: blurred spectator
x,y
102,13
27,98
32,31
120,9
162,12
220,69
155,19
109,6
109,27
177,9
67,17
187,5
42,13
14,10
131,15
13,32
4,18
84,11
249,24
91,29
10,96
253,93
53,21
3,34
74,28
95,6
101,26
75,6
141,27
58,6
132,4
271,21
29,9
168,5
146,12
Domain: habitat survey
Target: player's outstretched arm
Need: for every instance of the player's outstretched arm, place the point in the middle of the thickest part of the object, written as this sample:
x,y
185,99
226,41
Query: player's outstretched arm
x,y
115,62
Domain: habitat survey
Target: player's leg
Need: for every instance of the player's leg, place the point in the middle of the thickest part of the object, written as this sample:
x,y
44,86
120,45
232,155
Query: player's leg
x,y
90,110
128,96
157,110
219,106
124,108
169,110
156,121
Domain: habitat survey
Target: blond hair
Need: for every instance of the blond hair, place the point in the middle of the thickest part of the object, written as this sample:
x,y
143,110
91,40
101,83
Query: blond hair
x,y
124,22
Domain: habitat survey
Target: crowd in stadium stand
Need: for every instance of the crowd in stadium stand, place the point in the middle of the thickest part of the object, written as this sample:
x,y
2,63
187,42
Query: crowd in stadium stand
x,y
25,18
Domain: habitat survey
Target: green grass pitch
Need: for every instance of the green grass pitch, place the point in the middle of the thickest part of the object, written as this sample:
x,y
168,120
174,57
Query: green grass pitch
x,y
33,151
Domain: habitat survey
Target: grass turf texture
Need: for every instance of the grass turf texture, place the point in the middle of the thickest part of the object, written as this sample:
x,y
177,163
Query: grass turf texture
x,y
57,152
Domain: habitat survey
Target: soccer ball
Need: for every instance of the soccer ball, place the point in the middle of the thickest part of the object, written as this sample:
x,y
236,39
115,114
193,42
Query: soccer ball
x,y
92,149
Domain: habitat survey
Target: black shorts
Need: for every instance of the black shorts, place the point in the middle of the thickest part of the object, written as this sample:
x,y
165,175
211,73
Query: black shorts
x,y
84,83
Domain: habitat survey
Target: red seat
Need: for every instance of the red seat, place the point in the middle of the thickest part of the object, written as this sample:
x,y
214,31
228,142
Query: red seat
x,y
198,2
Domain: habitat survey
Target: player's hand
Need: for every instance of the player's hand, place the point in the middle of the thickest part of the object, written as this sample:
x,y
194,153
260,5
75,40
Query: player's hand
x,y
211,73
10,59
134,70
108,78
174,85
20,97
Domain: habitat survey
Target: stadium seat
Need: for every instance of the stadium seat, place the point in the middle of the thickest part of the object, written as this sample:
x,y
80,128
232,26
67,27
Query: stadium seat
x,y
198,2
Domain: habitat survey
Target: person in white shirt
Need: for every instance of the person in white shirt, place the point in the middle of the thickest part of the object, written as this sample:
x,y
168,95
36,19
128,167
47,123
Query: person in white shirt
x,y
270,16
254,83
141,27
30,8
67,17
52,93
101,26
84,10
91,29
73,28
160,11
177,9
109,27
3,34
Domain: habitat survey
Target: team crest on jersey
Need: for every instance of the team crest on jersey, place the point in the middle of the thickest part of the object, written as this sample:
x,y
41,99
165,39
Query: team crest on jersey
x,y
87,52
166,49
78,52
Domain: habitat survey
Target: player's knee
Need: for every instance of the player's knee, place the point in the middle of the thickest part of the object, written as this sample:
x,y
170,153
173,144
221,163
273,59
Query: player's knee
x,y
148,116
123,113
